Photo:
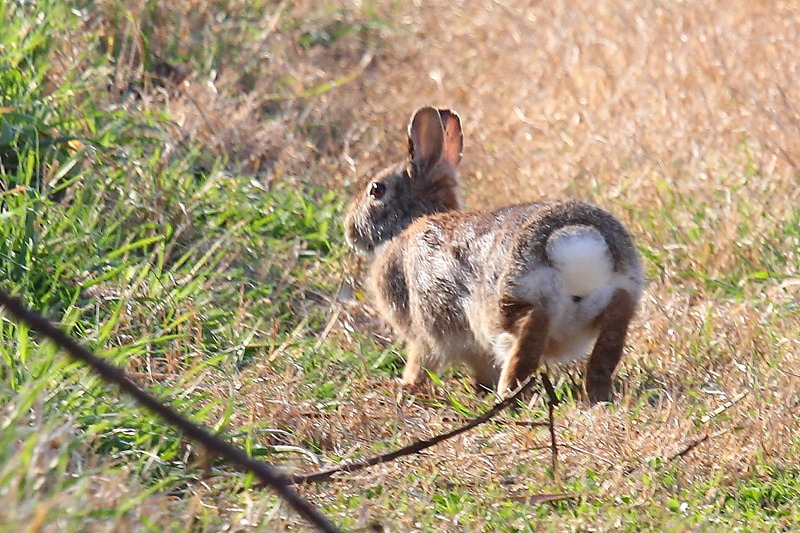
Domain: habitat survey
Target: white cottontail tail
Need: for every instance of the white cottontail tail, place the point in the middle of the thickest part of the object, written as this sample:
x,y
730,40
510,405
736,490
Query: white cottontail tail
x,y
499,290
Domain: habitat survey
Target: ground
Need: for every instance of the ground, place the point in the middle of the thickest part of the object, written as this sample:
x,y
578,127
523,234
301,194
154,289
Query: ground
x,y
174,177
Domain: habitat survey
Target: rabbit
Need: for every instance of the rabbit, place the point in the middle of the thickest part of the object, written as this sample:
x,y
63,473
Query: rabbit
x,y
499,290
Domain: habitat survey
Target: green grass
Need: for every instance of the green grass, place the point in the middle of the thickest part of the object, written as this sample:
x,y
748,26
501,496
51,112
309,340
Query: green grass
x,y
216,287
145,257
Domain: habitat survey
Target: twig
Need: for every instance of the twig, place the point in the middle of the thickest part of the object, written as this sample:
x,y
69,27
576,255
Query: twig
x,y
689,447
265,473
271,27
724,407
686,449
499,422
587,452
788,373
327,86
522,423
697,442
537,499
552,402
417,446
150,375
334,311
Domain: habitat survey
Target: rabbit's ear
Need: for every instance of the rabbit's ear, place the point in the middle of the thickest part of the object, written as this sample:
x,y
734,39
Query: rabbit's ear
x,y
453,137
425,138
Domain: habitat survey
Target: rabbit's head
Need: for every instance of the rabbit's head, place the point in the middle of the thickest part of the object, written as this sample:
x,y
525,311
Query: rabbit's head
x,y
427,183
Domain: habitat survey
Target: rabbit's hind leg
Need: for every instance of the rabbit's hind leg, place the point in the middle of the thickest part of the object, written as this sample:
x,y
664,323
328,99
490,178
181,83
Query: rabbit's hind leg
x,y
529,326
607,351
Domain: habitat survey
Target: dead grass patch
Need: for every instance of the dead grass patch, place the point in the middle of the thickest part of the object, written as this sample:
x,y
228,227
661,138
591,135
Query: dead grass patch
x,y
679,116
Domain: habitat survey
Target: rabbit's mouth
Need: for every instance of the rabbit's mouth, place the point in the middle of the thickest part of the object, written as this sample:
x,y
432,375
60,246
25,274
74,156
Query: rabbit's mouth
x,y
366,250
360,246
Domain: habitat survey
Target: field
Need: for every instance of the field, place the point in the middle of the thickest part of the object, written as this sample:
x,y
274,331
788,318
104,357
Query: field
x,y
173,178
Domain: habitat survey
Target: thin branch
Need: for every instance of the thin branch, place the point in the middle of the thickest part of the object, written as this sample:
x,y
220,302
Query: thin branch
x,y
264,472
689,447
538,499
587,452
418,446
686,449
724,407
552,402
521,423
695,443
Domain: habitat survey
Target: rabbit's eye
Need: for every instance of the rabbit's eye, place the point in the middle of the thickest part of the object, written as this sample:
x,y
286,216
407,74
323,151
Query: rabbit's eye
x,y
377,190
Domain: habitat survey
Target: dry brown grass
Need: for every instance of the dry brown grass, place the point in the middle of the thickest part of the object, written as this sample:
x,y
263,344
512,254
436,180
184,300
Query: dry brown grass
x,y
632,104
682,117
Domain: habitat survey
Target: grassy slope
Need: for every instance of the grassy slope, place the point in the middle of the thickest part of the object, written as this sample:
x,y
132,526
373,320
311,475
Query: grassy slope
x,y
173,179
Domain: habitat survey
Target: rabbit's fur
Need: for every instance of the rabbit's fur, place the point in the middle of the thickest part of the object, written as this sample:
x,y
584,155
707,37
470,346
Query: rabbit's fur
x,y
497,290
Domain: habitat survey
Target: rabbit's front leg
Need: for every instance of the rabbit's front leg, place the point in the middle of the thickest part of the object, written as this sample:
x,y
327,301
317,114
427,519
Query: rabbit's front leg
x,y
607,349
412,373
484,370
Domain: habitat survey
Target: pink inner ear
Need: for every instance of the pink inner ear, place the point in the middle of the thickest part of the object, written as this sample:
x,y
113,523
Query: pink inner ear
x,y
453,137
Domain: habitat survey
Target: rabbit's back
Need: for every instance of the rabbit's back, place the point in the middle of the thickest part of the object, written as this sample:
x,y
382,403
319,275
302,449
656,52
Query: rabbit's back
x,y
440,277
444,280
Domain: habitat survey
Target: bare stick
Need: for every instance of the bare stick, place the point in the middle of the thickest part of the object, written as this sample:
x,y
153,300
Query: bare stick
x,y
587,452
695,443
689,447
552,402
264,472
724,407
417,446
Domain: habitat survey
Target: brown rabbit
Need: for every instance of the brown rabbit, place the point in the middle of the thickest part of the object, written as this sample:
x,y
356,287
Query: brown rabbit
x,y
498,290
